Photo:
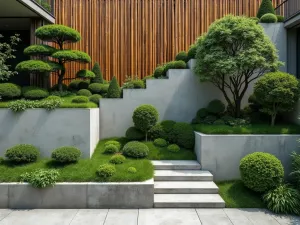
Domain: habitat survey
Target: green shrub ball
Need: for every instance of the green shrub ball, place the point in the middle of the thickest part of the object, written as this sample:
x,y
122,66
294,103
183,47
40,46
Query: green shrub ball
x,y
131,170
95,88
182,56
66,154
280,18
80,99
183,135
110,149
202,113
9,91
159,142
216,107
268,18
55,87
261,171
115,143
117,159
159,72
144,117
134,134
76,85
173,148
106,170
34,93
22,153
136,149
84,92
157,131
95,98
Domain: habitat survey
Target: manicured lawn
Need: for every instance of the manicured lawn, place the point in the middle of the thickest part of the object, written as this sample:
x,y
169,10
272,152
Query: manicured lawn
x,y
236,195
84,170
251,129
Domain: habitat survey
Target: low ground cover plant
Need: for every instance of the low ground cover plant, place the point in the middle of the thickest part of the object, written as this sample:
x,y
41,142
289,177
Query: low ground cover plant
x,y
41,178
159,142
106,170
117,159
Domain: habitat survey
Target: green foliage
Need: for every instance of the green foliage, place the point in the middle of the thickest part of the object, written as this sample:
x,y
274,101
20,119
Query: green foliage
x,y
22,105
167,128
210,119
157,131
53,97
80,99
202,113
150,77
280,18
183,135
268,18
55,87
85,74
22,153
216,107
295,174
115,143
255,19
98,74
84,92
76,85
37,50
159,142
104,89
106,170
131,170
283,199
277,92
135,149
41,178
175,65
192,52
96,88
117,159
219,122
265,7
95,98
72,56
66,154
114,90
110,149
34,66
34,93
133,84
9,91
182,56
159,72
173,148
134,134
261,171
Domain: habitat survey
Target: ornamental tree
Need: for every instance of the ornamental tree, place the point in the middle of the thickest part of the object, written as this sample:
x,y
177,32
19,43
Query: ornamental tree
x,y
277,92
233,53
98,74
264,8
58,35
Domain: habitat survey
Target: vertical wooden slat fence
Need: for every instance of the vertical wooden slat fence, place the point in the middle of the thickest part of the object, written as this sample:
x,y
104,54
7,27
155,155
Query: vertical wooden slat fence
x,y
131,37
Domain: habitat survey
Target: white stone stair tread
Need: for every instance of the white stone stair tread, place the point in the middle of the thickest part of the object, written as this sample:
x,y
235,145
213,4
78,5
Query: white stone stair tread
x,y
176,164
185,184
183,175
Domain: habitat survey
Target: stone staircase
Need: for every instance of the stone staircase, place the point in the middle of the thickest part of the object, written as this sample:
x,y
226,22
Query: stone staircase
x,y
182,184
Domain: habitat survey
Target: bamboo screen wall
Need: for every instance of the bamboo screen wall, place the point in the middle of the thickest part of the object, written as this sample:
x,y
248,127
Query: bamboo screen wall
x,y
131,37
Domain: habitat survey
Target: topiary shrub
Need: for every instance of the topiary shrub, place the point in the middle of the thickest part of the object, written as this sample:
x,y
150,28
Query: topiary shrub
x,y
175,65
34,93
41,178
53,97
115,143
144,117
34,66
66,154
173,148
182,56
216,107
22,153
183,135
95,88
167,128
9,91
135,149
117,159
95,98
159,72
261,171
84,92
84,84
202,113
156,131
265,7
134,134
110,149
131,170
138,84
106,170
85,74
114,90
104,89
76,85
192,52
280,18
159,142
98,74
268,18
80,99
55,87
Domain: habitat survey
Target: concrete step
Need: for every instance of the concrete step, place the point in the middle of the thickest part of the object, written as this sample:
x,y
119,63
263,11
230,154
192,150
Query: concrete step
x,y
182,175
185,187
176,165
188,201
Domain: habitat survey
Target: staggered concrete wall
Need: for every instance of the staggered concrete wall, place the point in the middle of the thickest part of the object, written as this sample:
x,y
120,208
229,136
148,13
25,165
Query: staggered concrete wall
x,y
48,130
78,195
221,154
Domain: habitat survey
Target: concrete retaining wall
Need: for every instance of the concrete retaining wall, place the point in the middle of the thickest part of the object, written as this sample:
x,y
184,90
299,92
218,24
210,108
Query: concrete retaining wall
x,y
48,130
221,154
78,195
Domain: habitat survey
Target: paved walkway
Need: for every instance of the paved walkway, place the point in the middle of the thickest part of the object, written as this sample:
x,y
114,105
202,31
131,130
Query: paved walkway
x,y
144,217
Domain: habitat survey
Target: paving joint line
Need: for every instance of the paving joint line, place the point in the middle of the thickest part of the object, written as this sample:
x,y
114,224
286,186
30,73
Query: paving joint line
x,y
198,216
106,217
74,217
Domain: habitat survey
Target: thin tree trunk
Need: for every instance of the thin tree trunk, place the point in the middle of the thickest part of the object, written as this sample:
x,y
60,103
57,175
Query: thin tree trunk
x,y
273,118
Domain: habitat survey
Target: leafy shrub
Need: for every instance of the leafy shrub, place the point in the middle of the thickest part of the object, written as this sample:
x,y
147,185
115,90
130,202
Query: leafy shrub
x,y
117,159
138,84
167,128
84,92
22,105
175,65
280,18
192,52
34,93
173,148
182,56
136,149
159,72
202,113
227,119
104,89
55,87
219,122
159,142
36,66
110,149
98,74
41,178
283,199
216,107
106,170
183,135
150,77
115,143
95,98
261,171
134,134
73,86
156,131
62,93
295,174
95,88
265,7
131,170
255,19
236,122
9,91
210,119
80,99
85,74
84,84
114,90
268,18
66,154
22,153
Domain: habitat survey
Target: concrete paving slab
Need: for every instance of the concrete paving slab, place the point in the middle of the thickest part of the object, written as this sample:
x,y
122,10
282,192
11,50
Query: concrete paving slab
x,y
176,165
168,217
287,220
90,217
260,217
4,213
122,216
237,217
213,217
179,175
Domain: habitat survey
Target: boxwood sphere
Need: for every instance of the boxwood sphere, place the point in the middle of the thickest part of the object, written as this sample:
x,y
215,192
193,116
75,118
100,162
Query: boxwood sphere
x,y
22,153
261,171
34,93
136,149
216,107
117,159
110,149
173,148
80,99
106,170
159,142
84,92
113,142
144,117
159,72
95,98
182,56
131,170
134,134
66,154
268,18
9,91
183,135
157,131
95,88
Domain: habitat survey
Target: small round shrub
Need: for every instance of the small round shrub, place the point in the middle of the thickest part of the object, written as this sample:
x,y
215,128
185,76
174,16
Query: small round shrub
x,y
76,85
173,148
183,135
255,19
167,128
95,98
192,52
110,149
219,122
80,99
34,93
9,91
53,97
104,89
41,178
134,134
85,74
117,159
216,107
84,92
156,131
159,72
159,142
55,87
131,170
22,153
95,88
210,119
136,149
280,18
202,113
84,84
66,154
268,18
106,170
182,56
115,143
261,171
175,65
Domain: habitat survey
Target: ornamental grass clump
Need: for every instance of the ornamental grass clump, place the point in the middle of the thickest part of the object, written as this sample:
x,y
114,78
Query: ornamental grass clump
x,y
66,154
22,153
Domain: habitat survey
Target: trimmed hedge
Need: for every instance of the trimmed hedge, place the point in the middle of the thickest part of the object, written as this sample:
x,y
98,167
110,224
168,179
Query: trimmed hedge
x,y
134,134
95,98
76,85
182,56
159,142
9,91
175,65
110,149
55,87
173,148
22,153
34,93
135,149
183,135
167,126
265,7
268,18
80,99
84,92
106,170
117,159
202,113
85,74
115,143
95,88
66,154
159,72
